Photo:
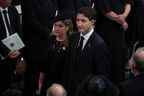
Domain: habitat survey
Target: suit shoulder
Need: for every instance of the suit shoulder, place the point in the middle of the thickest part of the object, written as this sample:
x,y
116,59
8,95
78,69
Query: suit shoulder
x,y
98,38
13,10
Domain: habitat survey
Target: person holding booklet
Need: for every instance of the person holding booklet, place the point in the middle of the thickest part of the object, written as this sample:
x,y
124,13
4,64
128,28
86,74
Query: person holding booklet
x,y
10,42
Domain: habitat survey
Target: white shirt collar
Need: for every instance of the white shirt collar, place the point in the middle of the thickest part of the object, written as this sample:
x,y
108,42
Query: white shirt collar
x,y
3,8
88,34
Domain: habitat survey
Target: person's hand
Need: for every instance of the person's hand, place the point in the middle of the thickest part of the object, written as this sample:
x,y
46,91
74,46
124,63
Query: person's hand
x,y
120,19
14,54
125,26
122,16
123,22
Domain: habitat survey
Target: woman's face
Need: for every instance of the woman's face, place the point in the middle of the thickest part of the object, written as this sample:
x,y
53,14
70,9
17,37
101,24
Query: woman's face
x,y
59,28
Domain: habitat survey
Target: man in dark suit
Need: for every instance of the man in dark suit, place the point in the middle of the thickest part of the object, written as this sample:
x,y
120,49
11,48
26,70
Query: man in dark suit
x,y
9,24
135,86
88,57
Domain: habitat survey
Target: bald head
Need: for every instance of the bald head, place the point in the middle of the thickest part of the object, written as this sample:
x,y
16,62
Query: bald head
x,y
139,54
56,90
136,63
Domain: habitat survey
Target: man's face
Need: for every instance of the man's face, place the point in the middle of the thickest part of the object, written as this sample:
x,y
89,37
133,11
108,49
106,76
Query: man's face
x,y
5,3
83,23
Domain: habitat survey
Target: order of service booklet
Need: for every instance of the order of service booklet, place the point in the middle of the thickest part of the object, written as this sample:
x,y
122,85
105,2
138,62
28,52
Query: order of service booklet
x,y
13,42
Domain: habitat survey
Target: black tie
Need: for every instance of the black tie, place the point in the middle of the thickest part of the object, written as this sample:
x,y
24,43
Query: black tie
x,y
7,22
80,45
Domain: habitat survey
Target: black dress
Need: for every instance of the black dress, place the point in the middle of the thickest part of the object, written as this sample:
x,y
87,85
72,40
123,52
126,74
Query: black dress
x,y
57,56
54,69
113,34
139,19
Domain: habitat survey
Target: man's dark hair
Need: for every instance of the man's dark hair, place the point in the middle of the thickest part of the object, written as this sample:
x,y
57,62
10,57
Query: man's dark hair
x,y
88,12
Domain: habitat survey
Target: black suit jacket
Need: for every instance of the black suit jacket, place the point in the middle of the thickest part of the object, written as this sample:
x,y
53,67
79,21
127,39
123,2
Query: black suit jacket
x,y
7,65
94,59
15,24
134,87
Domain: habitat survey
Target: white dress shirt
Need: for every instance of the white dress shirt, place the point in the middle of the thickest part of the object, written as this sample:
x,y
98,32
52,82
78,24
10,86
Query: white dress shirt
x,y
86,37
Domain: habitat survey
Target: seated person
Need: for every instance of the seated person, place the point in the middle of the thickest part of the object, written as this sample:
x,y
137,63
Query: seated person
x,y
56,90
135,86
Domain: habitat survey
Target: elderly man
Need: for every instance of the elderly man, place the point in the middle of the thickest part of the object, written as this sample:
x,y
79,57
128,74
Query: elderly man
x,y
56,90
135,86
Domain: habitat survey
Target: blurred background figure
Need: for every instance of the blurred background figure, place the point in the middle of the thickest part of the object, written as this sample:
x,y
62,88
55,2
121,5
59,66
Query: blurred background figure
x,y
112,24
97,85
17,80
137,21
18,6
56,90
37,27
16,2
135,86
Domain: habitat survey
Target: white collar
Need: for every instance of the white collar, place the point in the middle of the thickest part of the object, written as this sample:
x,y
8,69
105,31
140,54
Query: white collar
x,y
1,9
88,34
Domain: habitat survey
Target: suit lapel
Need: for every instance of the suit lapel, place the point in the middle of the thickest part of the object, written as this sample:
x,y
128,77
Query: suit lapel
x,y
2,28
10,12
76,41
89,42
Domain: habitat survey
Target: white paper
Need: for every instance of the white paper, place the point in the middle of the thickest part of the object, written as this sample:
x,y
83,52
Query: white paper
x,y
13,42
18,7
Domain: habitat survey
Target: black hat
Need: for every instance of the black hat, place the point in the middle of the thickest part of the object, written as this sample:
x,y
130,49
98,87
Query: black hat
x,y
63,16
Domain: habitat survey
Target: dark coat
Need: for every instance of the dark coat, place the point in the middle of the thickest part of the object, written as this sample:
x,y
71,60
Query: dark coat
x,y
15,24
93,59
134,87
37,27
113,34
7,65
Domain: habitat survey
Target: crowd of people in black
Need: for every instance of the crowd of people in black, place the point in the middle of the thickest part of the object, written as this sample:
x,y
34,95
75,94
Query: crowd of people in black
x,y
72,47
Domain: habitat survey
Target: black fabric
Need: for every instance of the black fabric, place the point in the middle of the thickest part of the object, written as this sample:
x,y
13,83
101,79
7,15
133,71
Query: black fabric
x,y
80,44
54,70
113,34
93,59
7,65
96,85
15,26
133,87
82,3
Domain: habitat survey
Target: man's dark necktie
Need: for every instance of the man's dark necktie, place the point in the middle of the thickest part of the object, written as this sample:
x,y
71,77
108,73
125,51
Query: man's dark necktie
x,y
7,22
80,45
